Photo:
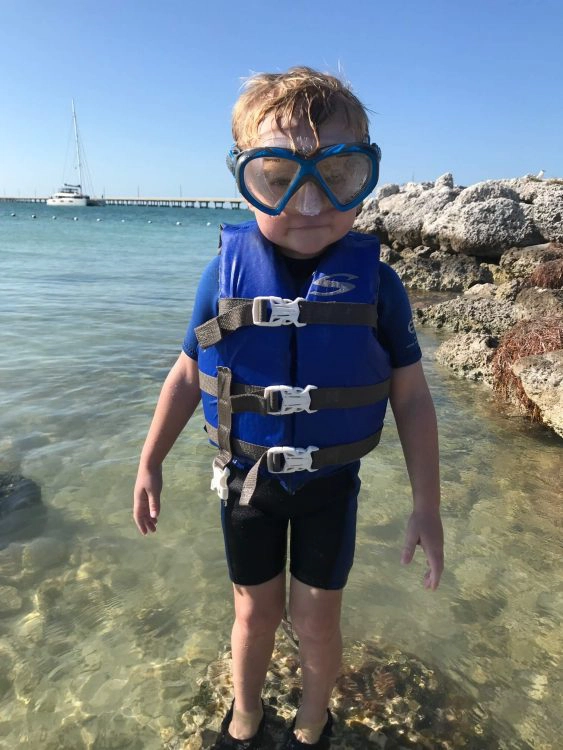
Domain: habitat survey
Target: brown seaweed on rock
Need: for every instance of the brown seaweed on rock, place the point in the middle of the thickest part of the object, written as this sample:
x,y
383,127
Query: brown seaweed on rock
x,y
547,276
527,338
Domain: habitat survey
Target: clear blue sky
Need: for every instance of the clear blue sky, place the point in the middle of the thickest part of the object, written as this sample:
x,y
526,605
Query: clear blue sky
x,y
473,87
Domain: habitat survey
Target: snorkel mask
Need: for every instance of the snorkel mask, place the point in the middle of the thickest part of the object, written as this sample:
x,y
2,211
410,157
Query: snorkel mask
x,y
268,177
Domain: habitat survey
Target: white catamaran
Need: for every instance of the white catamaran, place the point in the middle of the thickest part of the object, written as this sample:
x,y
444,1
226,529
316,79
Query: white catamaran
x,y
72,195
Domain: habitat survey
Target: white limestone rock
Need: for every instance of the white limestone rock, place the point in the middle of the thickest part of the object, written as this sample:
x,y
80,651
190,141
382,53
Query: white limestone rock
x,y
445,180
469,356
483,315
548,213
541,376
484,219
484,227
386,190
405,213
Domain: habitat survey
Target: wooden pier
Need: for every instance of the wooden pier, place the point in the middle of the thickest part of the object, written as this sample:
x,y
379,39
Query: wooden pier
x,y
178,202
157,202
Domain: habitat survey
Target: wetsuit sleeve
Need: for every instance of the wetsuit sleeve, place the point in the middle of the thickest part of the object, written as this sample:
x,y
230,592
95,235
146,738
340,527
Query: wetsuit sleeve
x,y
395,330
205,306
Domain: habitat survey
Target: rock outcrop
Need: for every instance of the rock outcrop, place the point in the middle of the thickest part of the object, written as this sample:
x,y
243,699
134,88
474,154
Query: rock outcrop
x,y
541,377
500,244
483,220
469,355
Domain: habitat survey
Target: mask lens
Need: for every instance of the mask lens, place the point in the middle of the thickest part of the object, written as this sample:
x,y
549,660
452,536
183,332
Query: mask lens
x,y
267,178
346,175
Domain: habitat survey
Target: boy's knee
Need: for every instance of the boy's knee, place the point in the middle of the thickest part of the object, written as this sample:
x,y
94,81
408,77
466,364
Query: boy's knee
x,y
257,620
314,628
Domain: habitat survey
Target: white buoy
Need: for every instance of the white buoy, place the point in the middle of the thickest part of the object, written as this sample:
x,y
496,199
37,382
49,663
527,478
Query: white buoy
x,y
208,224
178,223
12,214
53,217
33,216
75,218
149,222
98,219
123,221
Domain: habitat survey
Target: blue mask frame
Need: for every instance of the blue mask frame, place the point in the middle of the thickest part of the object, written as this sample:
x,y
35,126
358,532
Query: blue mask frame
x,y
237,161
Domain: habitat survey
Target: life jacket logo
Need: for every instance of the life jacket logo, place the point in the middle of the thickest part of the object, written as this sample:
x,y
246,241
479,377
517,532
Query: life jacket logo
x,y
333,283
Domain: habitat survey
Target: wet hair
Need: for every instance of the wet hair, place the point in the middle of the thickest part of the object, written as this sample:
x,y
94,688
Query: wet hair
x,y
300,93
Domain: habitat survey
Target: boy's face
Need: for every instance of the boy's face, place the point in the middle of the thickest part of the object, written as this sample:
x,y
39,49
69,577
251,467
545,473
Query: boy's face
x,y
296,234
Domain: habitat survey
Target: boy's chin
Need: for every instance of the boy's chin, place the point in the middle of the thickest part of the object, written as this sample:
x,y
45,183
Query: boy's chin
x,y
304,237
303,249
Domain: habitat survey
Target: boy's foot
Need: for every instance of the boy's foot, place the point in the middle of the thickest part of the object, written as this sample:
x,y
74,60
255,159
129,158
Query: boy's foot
x,y
227,742
323,743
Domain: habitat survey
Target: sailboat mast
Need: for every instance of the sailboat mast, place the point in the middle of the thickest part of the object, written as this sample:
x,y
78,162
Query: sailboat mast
x,y
78,159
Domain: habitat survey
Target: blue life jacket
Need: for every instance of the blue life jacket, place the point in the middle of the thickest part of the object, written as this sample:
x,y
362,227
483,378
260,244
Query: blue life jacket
x,y
321,355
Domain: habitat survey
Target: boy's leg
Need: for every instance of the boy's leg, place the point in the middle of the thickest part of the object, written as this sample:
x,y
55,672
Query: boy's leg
x,y
255,546
322,553
315,617
258,612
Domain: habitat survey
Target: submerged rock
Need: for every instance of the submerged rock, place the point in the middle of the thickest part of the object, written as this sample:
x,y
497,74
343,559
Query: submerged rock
x,y
22,514
384,699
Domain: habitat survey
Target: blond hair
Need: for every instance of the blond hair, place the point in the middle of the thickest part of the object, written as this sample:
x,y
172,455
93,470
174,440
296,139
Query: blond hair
x,y
300,92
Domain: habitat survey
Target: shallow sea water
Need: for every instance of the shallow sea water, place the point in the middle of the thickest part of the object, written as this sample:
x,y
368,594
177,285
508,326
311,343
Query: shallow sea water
x,y
104,634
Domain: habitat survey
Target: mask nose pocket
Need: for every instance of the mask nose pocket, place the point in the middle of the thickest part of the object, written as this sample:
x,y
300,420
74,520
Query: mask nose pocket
x,y
308,199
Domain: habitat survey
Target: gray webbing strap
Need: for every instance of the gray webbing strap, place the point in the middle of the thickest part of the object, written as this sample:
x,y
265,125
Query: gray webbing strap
x,y
214,330
251,480
337,454
252,398
235,313
223,433
321,457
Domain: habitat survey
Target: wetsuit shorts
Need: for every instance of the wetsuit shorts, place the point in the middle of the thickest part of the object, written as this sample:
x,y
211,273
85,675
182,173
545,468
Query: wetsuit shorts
x,y
321,517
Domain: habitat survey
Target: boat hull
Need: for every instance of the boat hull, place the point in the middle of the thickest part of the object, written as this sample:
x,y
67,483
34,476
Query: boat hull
x,y
67,201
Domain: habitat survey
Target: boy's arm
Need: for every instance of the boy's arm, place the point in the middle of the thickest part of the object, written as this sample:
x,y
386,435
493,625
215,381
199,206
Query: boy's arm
x,y
177,402
416,423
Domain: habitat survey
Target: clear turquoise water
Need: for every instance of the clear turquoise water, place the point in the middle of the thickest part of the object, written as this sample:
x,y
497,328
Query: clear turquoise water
x,y
104,633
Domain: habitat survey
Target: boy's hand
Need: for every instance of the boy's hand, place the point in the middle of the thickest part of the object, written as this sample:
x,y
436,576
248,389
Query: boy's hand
x,y
146,499
425,528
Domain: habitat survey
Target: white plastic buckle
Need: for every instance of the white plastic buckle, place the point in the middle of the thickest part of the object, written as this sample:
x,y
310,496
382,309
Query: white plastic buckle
x,y
285,312
294,459
293,399
219,481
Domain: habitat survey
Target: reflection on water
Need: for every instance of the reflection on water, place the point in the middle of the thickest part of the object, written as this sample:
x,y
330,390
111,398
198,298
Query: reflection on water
x,y
104,634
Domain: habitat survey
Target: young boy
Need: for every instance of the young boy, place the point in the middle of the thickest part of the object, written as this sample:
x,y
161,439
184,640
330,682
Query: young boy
x,y
299,336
